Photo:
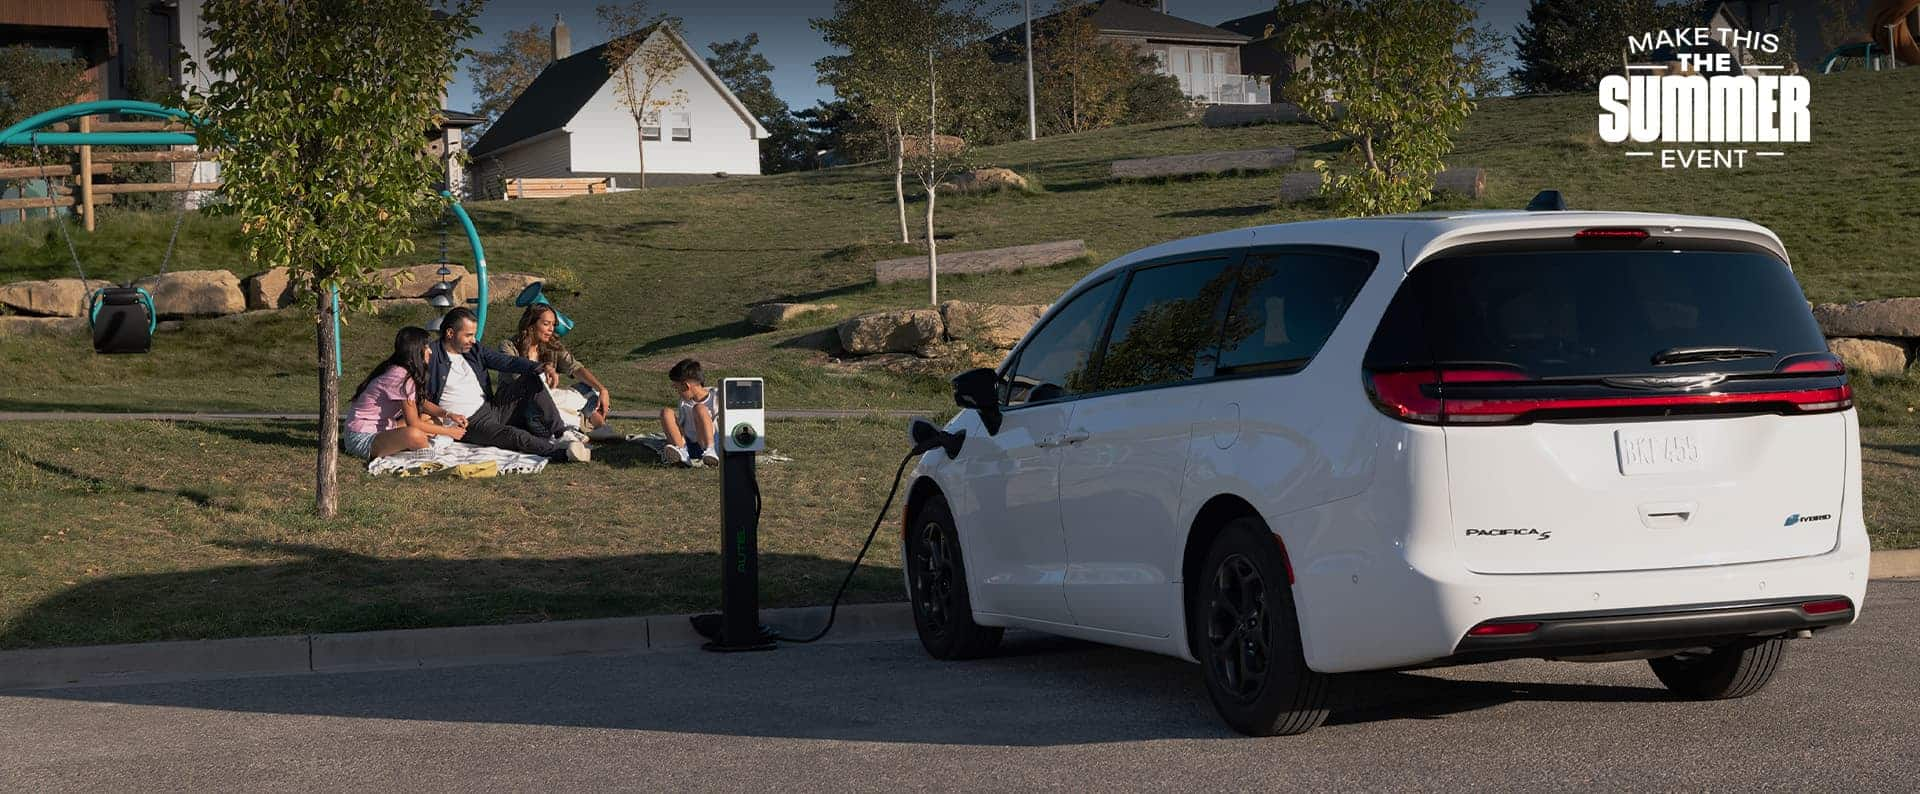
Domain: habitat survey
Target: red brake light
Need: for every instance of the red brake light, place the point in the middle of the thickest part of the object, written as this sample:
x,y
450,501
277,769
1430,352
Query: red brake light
x,y
1419,396
1610,234
1827,607
1813,364
1502,629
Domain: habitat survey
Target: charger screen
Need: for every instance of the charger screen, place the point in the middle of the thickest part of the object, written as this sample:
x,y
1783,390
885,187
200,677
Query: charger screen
x,y
744,394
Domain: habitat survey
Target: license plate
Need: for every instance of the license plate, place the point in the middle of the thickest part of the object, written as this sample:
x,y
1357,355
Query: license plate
x,y
1657,451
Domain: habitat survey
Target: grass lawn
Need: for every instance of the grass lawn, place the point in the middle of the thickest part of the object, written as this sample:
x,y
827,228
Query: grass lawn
x,y
125,531
139,531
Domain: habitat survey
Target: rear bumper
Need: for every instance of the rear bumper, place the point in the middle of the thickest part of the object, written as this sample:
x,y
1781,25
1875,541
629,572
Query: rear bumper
x,y
1620,631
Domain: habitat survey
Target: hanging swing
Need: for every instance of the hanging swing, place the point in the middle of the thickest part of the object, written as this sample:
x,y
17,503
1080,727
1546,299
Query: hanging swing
x,y
121,318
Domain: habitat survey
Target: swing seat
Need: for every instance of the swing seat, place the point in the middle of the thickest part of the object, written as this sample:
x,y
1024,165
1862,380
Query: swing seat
x,y
123,320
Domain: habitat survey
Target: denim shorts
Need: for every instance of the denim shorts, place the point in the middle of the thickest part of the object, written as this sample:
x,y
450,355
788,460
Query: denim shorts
x,y
359,445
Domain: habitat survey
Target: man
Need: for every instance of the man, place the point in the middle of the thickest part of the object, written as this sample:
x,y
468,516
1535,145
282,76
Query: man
x,y
459,384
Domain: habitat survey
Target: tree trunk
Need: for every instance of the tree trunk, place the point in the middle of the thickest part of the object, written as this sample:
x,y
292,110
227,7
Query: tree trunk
x,y
933,255
326,487
900,175
640,128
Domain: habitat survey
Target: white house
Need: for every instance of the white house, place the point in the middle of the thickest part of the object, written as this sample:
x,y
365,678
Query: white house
x,y
570,123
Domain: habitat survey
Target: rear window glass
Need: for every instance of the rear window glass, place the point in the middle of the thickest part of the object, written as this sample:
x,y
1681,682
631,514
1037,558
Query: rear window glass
x,y
1585,313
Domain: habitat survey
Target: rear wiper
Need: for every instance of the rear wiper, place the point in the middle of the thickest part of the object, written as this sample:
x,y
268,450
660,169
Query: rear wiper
x,y
1688,355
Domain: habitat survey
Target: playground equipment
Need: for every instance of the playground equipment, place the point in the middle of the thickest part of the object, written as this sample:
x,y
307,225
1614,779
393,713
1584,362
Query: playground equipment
x,y
123,318
1895,28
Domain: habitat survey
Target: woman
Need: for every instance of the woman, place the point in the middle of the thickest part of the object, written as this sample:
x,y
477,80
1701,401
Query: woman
x,y
388,414
536,339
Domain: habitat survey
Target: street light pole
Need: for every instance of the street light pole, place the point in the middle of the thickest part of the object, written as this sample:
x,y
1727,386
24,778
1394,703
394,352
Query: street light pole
x,y
1033,120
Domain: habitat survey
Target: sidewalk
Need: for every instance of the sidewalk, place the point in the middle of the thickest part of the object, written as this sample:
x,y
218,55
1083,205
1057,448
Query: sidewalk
x,y
247,416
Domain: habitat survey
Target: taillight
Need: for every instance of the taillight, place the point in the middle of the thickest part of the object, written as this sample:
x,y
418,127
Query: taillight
x,y
1827,607
1610,233
1422,396
1502,629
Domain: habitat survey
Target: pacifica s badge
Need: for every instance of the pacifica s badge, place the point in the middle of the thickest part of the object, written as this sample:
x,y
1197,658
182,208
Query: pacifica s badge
x,y
1536,534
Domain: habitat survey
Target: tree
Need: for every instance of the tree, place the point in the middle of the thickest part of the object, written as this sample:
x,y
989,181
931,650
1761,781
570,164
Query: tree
x,y
314,112
1786,53
882,73
500,75
1389,77
936,160
645,57
1083,79
1842,22
747,74
1568,45
31,83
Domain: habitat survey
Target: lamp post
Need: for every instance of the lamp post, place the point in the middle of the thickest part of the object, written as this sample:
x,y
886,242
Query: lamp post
x,y
1033,120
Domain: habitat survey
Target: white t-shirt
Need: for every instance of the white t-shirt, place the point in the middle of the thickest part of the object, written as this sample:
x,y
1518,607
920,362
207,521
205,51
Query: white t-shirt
x,y
687,429
461,394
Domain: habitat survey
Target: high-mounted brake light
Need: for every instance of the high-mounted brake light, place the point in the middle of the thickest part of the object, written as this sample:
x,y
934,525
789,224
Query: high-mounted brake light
x,y
1827,607
1609,233
1813,364
1502,629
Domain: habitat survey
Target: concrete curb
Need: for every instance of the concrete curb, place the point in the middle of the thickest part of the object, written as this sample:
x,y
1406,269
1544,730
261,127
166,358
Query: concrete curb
x,y
248,416
156,662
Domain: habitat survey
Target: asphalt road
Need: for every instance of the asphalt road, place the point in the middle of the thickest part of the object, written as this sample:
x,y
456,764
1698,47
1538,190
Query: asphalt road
x,y
1843,714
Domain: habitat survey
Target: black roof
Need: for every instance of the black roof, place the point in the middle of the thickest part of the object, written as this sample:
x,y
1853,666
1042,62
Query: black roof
x,y
460,118
1253,26
550,101
1116,17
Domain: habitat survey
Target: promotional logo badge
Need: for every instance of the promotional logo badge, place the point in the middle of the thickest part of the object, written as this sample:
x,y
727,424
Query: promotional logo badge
x,y
1701,103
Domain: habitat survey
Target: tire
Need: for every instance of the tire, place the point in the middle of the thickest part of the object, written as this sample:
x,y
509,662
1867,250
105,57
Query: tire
x,y
1247,636
937,586
1729,671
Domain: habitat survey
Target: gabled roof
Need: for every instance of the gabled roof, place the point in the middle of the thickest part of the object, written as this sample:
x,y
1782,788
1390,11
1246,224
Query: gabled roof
x,y
1118,18
1253,26
566,85
460,118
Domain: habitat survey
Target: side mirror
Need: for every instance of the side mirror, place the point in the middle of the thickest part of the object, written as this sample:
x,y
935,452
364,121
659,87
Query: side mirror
x,y
979,389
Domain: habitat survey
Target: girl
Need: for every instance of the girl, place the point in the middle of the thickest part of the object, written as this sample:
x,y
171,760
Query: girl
x,y
536,339
388,415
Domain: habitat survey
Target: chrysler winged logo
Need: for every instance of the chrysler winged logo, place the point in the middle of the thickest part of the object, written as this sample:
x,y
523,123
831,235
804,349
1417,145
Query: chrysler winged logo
x,y
1662,382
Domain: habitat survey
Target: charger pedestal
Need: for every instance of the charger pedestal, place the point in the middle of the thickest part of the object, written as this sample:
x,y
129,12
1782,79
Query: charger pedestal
x,y
737,627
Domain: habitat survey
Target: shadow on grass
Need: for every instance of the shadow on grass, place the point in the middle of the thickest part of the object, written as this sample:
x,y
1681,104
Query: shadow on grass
x,y
93,483
1910,450
1221,212
733,330
301,438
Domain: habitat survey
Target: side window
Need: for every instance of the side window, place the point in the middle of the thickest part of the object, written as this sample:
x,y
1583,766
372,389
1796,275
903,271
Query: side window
x,y
1286,305
1165,323
1054,363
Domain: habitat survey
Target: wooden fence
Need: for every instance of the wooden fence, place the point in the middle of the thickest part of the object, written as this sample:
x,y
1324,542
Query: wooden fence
x,y
79,190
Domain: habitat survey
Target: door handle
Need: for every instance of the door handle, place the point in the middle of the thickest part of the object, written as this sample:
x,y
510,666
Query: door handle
x,y
1048,440
1074,436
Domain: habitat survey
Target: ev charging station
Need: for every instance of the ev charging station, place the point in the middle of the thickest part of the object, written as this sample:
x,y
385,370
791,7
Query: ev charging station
x,y
742,427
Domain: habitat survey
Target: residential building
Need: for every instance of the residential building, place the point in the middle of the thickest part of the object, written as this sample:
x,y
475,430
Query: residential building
x,y
1262,56
1206,60
571,122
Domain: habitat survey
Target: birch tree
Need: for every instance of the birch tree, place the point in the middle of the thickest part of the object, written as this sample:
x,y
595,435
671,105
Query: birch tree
x,y
643,65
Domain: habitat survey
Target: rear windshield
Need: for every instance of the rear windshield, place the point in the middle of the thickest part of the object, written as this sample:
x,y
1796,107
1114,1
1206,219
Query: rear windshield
x,y
1588,313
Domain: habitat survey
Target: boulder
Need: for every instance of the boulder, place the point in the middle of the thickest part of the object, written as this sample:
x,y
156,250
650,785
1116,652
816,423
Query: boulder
x,y
59,297
902,331
996,326
504,287
195,293
774,315
42,326
413,282
1891,317
985,180
269,290
1870,356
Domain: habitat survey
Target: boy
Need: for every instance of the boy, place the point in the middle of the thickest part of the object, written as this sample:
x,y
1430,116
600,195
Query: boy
x,y
690,426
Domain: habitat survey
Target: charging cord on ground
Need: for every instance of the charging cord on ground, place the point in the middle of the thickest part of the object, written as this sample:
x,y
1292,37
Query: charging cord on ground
x,y
871,534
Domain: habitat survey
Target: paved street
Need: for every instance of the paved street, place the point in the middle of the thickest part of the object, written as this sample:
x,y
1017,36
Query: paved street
x,y
1845,713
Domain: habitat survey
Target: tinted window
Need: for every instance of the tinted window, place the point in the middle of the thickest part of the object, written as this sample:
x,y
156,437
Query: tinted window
x,y
1286,305
1166,322
1591,313
1055,361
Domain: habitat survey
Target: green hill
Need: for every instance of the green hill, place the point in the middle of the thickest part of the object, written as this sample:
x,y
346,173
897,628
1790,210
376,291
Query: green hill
x,y
670,272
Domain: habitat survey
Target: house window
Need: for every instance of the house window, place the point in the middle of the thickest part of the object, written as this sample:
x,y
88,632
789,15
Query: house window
x,y
650,132
683,126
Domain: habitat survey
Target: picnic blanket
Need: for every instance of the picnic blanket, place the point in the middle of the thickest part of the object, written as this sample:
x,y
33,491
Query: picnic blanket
x,y
447,454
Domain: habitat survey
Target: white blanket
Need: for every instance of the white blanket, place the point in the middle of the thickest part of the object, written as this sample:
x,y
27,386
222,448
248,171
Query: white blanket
x,y
449,454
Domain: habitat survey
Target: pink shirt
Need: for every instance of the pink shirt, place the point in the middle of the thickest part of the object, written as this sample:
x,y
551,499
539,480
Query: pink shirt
x,y
379,407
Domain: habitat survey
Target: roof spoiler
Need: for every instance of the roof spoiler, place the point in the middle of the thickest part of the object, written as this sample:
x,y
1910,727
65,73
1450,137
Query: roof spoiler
x,y
1547,201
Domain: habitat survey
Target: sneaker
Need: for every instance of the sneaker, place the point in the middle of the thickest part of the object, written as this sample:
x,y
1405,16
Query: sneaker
x,y
605,433
574,434
676,456
710,458
578,452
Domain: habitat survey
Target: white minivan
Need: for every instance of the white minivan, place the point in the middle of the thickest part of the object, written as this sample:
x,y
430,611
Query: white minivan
x,y
1297,450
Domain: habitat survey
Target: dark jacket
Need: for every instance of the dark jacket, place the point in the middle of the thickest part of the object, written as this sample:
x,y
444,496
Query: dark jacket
x,y
480,358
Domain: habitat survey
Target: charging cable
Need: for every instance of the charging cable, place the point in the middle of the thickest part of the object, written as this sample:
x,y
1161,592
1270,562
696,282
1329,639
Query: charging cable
x,y
871,534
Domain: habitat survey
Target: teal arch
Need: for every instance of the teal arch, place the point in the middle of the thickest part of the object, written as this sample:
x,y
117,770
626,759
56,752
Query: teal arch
x,y
23,134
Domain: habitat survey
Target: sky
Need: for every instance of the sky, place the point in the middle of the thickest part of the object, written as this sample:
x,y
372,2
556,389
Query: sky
x,y
786,39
